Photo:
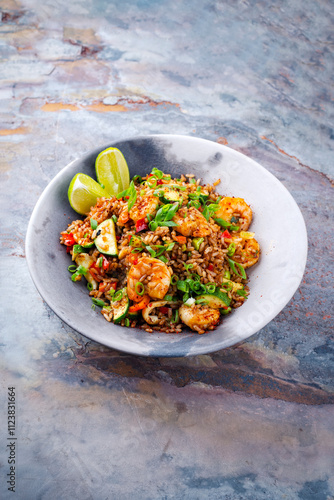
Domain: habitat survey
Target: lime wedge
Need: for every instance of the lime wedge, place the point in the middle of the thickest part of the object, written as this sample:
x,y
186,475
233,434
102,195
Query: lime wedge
x,y
112,171
83,193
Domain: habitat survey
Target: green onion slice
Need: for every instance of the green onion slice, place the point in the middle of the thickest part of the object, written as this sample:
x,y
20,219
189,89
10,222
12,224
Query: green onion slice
x,y
72,268
118,296
139,288
98,302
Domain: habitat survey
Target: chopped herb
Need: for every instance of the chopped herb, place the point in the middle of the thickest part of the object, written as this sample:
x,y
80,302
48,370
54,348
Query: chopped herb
x,y
210,287
72,268
197,242
90,286
188,266
175,319
174,279
126,322
114,218
78,249
163,259
131,193
93,224
80,271
139,288
137,179
100,261
225,224
98,302
242,293
232,264
118,296
231,249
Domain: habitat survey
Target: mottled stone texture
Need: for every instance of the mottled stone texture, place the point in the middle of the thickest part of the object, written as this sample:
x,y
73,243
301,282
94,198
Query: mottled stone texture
x,y
251,422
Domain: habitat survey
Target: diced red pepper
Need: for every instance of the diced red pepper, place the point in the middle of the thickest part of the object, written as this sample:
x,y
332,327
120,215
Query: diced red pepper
x,y
159,181
141,225
113,285
68,249
126,197
163,310
118,237
210,267
226,235
102,286
105,263
69,240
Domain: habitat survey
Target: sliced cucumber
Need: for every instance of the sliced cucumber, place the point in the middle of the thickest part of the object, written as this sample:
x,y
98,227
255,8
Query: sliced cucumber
x,y
121,307
216,300
105,240
171,196
86,245
85,260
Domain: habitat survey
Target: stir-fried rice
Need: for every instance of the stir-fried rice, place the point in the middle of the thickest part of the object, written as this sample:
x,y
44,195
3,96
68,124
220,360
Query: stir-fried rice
x,y
180,247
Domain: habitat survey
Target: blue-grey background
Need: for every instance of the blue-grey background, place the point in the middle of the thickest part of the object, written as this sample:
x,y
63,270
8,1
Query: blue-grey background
x,y
251,422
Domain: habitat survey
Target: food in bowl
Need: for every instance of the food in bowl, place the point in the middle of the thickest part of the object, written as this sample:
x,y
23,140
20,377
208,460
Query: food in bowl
x,y
164,253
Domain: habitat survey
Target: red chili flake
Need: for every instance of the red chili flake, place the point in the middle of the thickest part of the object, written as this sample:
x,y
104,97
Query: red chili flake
x,y
118,238
210,267
226,235
163,310
113,285
141,225
135,262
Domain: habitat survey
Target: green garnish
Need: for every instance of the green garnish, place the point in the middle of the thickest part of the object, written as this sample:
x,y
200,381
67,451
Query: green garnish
x,y
231,249
72,268
100,261
98,302
197,242
163,259
118,296
90,286
232,264
188,266
137,178
114,218
242,293
79,271
93,224
175,319
139,288
164,216
225,224
78,249
174,279
131,193
211,287
126,322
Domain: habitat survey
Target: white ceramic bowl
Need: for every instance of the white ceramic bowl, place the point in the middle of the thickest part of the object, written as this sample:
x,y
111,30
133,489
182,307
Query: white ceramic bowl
x,y
277,222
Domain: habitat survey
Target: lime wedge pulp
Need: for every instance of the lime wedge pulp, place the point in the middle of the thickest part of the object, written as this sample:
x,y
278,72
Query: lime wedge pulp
x,y
112,171
83,193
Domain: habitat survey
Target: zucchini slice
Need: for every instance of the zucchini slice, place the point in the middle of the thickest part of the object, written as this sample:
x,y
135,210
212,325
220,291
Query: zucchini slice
x,y
216,300
105,240
121,307
85,260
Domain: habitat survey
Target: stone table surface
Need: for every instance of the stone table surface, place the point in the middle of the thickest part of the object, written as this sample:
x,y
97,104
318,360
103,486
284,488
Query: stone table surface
x,y
251,422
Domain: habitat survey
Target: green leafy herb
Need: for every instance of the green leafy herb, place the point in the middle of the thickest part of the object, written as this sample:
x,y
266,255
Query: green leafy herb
x,y
242,293
118,296
163,259
93,224
131,193
197,242
231,249
98,302
80,271
232,264
139,288
226,225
